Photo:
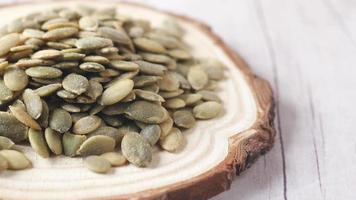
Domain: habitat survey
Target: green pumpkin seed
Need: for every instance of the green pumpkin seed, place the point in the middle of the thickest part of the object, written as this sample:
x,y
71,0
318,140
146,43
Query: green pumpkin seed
x,y
166,127
88,23
75,83
173,141
33,103
5,93
6,143
24,118
38,142
115,159
43,72
191,99
43,119
151,133
116,35
15,160
124,65
141,81
48,89
23,48
146,112
174,103
3,163
153,88
109,73
15,56
207,110
97,59
66,95
171,94
71,143
150,68
72,56
167,41
58,45
147,95
168,83
90,43
47,54
213,68
184,118
32,33
54,141
114,133
107,50
114,121
116,92
136,149
52,21
197,78
72,108
179,54
96,145
26,63
149,45
209,96
157,58
95,89
183,82
97,164
66,65
60,120
92,67
15,79
86,125
8,41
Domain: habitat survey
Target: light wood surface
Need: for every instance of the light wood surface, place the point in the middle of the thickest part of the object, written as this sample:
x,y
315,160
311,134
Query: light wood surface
x,y
307,50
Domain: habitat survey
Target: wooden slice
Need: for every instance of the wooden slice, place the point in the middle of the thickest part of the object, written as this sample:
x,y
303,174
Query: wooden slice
x,y
216,150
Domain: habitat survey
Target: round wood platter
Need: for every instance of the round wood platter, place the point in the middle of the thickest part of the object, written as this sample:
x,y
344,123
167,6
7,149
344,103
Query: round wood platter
x,y
215,150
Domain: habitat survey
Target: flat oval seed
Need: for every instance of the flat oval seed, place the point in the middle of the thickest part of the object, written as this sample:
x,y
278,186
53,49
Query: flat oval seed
x,y
60,120
166,127
190,99
136,149
48,89
15,160
3,163
15,79
92,67
90,43
38,142
60,33
151,68
54,141
87,124
5,93
97,164
151,133
169,82
207,110
174,103
171,94
179,54
24,118
6,143
75,83
88,23
116,35
71,143
173,141
33,103
116,92
146,112
47,54
66,95
8,41
149,45
108,131
184,118
32,33
44,72
115,159
124,65
209,96
96,145
147,95
197,78
98,59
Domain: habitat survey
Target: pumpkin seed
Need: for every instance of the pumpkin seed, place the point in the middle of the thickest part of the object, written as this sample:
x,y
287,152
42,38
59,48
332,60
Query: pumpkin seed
x,y
54,141
48,89
171,94
114,133
168,83
25,63
179,54
153,88
146,112
116,92
166,127
124,65
58,45
191,99
90,43
116,35
197,78
70,108
173,141
38,142
174,103
15,160
115,159
207,110
209,96
97,164
97,59
24,118
6,143
32,33
92,67
96,145
15,56
71,143
72,56
109,73
141,81
151,133
23,48
75,83
114,121
66,95
33,103
88,23
3,163
87,124
150,68
5,93
77,116
136,149
8,41
60,120
183,82
15,79
47,54
43,72
95,89
147,95
184,118
115,109
149,45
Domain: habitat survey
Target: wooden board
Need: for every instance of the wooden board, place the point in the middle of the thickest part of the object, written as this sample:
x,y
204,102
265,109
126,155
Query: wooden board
x,y
227,145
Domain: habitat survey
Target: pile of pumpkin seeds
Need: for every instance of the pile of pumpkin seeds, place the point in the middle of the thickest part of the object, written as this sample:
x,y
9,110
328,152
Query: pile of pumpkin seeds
x,y
91,83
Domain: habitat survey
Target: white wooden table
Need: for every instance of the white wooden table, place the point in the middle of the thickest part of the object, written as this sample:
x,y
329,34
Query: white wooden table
x,y
307,50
